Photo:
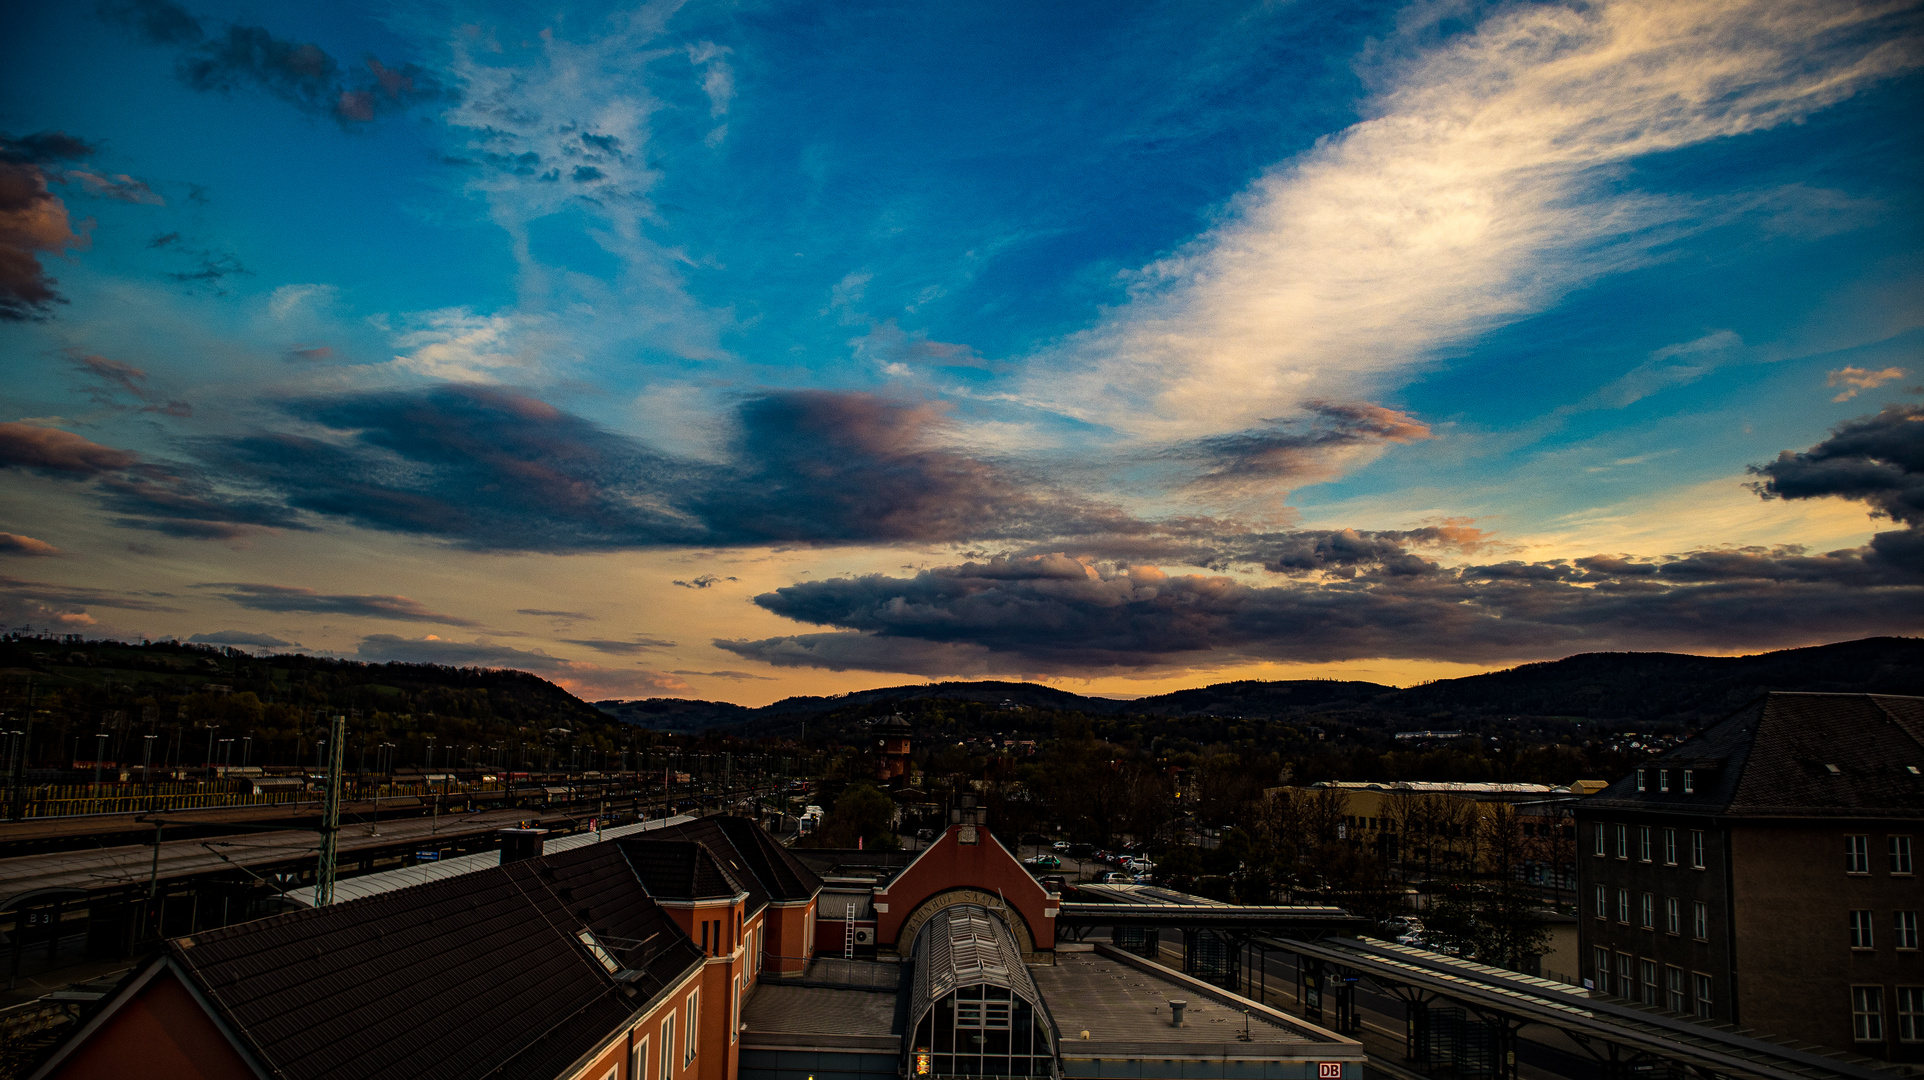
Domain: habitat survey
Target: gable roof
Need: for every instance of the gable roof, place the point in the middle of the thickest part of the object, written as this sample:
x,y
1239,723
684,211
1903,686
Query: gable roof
x,y
772,872
475,976
1795,755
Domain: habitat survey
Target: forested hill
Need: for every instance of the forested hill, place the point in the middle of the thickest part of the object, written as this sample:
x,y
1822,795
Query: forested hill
x,y
1629,687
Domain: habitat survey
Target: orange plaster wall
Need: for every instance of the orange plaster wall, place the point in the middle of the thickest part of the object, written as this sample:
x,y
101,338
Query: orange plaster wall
x,y
162,1034
788,939
949,864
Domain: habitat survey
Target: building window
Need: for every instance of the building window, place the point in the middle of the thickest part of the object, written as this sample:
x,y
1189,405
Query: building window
x,y
638,1068
1867,1013
1670,847
1701,984
1700,920
1696,849
1626,976
1861,937
1649,981
735,1013
1689,781
1649,912
1904,929
1643,843
1623,841
1601,829
1623,905
1602,958
1857,854
1900,854
1910,1013
1663,779
1640,783
1672,915
1678,1002
690,1037
668,1048
1603,902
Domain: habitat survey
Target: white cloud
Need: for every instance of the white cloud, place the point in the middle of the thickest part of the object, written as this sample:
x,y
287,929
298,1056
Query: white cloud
x,y
461,346
1477,192
290,300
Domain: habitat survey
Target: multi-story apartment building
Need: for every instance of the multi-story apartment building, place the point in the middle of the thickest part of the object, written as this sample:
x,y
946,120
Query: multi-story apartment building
x,y
1763,873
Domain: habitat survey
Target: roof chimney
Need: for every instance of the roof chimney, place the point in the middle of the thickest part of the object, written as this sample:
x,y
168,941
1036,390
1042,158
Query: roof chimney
x,y
518,844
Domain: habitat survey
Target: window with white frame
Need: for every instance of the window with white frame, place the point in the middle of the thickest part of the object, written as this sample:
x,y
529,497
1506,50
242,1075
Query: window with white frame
x,y
1672,915
1910,1014
1904,929
638,1065
1643,843
1623,841
1602,829
1673,979
1670,847
1689,781
1867,1013
1700,920
735,1013
1603,902
1650,990
1861,935
1900,855
1700,985
1626,975
1696,849
1623,905
668,1048
1601,958
1641,786
1663,779
1649,912
1857,854
689,1038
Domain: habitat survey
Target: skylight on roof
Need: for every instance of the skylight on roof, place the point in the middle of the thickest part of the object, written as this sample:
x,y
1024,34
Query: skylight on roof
x,y
587,937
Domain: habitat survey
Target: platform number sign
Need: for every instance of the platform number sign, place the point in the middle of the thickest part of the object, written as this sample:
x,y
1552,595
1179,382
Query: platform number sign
x,y
1329,1070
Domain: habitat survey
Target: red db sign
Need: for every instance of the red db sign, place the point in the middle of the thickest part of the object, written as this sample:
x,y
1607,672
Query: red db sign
x,y
1329,1070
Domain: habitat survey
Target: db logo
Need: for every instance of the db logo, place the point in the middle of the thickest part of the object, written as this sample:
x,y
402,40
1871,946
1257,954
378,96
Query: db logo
x,y
1329,1070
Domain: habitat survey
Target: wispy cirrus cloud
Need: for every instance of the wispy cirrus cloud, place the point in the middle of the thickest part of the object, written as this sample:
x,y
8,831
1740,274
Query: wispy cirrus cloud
x,y
1483,185
1856,380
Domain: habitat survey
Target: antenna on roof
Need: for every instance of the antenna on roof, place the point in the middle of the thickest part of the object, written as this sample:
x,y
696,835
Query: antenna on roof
x,y
330,814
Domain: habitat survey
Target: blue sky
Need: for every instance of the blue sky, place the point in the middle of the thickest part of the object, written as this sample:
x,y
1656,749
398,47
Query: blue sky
x,y
741,350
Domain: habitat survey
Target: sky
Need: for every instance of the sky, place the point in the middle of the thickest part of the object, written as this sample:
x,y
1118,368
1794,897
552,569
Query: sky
x,y
743,350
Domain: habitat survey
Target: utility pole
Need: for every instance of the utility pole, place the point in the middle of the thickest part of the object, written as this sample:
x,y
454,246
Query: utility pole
x,y
330,814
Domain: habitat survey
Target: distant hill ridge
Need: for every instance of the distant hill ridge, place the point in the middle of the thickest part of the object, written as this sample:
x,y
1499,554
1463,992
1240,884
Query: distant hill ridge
x,y
1604,686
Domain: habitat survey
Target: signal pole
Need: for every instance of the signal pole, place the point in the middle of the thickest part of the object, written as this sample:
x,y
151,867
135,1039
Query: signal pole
x,y
330,814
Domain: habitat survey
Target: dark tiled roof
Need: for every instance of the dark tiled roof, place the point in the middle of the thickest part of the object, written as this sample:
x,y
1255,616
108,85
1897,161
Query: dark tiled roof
x,y
1796,755
475,976
709,834
679,869
779,873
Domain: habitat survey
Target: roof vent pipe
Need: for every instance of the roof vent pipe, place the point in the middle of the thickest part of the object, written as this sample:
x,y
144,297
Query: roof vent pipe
x,y
1175,1012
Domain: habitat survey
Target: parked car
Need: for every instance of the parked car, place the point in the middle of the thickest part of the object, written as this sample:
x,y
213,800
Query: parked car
x,y
1061,845
1113,878
1139,866
1043,862
1055,884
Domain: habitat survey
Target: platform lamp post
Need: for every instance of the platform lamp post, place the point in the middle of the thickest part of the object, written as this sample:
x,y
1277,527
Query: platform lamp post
x,y
330,814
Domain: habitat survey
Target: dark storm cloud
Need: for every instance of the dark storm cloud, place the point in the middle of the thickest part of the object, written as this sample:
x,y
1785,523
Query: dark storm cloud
x,y
293,598
235,56
491,468
1873,459
1055,614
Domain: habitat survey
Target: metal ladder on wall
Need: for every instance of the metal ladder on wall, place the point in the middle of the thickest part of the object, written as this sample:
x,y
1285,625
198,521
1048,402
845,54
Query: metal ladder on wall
x,y
848,930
